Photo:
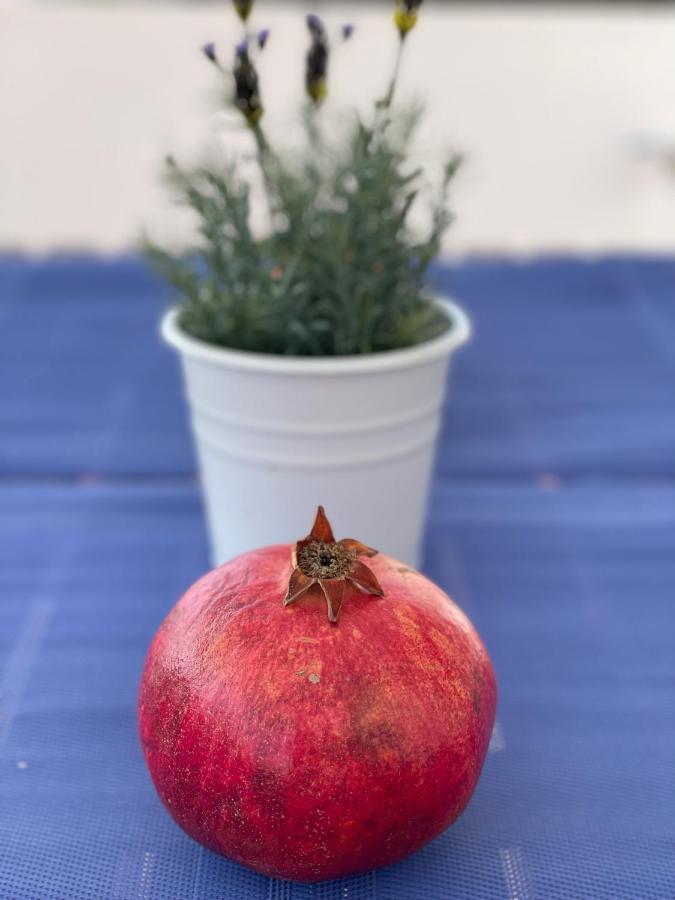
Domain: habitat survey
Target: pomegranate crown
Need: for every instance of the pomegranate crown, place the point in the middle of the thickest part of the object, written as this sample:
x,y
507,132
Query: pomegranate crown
x,y
324,566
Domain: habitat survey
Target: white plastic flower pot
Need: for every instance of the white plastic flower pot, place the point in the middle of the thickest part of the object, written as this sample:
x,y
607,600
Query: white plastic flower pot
x,y
277,436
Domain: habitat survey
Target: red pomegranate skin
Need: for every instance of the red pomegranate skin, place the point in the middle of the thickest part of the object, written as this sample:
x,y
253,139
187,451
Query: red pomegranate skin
x,y
308,750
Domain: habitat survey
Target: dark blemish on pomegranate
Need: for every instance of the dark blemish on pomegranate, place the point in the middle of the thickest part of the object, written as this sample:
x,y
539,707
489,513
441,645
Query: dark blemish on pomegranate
x,y
308,640
314,678
404,570
476,690
475,700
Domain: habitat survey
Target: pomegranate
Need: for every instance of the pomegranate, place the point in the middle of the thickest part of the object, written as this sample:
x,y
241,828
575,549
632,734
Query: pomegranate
x,y
309,746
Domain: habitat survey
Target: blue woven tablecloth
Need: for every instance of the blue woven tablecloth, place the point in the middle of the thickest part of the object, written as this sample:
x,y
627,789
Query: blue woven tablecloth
x,y
552,523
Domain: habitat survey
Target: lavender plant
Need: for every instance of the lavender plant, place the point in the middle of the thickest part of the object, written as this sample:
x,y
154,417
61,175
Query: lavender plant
x,y
339,271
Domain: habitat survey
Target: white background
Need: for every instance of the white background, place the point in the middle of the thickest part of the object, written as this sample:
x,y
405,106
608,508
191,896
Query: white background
x,y
548,102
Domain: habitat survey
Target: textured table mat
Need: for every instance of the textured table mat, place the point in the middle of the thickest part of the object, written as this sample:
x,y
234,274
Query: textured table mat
x,y
552,523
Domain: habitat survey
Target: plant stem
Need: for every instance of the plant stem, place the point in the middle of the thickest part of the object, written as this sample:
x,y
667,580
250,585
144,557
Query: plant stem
x,y
383,106
312,123
394,75
260,140
264,155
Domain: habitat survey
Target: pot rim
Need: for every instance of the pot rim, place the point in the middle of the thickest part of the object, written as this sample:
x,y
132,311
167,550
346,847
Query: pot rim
x,y
354,364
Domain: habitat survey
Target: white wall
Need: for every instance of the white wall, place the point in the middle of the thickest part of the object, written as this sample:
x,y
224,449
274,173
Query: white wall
x,y
546,101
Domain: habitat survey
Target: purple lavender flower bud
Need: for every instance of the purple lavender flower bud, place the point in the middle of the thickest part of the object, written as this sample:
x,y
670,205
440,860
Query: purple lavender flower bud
x,y
209,51
263,37
247,93
316,62
347,32
314,24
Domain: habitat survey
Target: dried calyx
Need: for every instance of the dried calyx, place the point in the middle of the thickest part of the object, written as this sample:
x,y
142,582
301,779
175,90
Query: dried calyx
x,y
323,565
320,560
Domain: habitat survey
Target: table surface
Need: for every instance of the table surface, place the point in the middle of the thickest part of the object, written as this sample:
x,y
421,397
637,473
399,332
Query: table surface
x,y
552,523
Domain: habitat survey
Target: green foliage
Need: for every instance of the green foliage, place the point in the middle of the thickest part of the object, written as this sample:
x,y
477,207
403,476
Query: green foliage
x,y
340,271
